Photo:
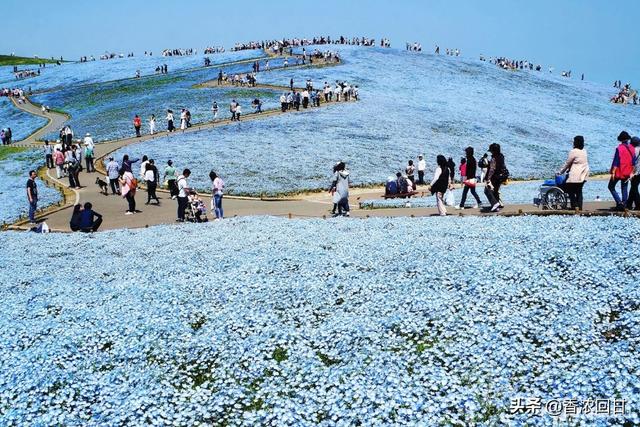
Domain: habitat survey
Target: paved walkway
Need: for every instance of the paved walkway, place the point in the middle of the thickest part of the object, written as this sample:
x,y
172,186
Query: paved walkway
x,y
303,206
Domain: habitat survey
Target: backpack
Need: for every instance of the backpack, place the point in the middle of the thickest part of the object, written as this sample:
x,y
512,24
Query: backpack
x,y
133,183
503,174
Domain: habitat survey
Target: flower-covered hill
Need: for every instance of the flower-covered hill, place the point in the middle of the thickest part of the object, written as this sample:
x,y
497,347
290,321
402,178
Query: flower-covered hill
x,y
409,104
319,322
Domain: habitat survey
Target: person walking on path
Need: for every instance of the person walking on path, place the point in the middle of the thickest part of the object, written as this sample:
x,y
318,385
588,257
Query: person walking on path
x,y
217,188
238,112
183,193
470,180
440,183
48,155
578,167
422,166
137,124
113,173
89,220
152,124
170,177
170,126
128,186
634,193
451,165
484,166
88,158
151,178
183,119
621,169
214,110
59,159
73,169
496,176
127,163
32,196
340,188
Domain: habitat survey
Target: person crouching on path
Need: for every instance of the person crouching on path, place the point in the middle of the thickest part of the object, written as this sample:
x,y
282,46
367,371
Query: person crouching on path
x,y
217,187
622,169
440,183
578,167
89,220
183,193
128,186
469,180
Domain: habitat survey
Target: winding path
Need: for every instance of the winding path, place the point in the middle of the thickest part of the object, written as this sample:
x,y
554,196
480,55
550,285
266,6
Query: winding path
x,y
312,205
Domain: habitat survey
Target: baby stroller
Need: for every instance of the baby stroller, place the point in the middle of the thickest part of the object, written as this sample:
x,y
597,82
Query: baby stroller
x,y
552,194
195,211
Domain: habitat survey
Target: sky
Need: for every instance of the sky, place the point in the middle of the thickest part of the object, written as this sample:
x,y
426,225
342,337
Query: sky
x,y
584,36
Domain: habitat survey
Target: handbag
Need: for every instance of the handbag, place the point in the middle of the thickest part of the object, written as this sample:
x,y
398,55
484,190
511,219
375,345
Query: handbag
x,y
449,198
470,182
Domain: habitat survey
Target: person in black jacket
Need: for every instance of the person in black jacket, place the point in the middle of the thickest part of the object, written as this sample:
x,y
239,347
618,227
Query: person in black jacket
x,y
440,183
470,179
451,165
496,176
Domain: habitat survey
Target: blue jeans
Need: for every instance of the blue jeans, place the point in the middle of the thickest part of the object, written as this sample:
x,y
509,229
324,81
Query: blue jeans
x,y
33,206
624,184
217,202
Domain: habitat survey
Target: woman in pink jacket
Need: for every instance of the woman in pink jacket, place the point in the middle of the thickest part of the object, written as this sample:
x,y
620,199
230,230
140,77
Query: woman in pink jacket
x,y
578,167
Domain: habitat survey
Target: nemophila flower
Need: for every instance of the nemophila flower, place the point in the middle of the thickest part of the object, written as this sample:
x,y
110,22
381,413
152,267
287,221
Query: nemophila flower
x,y
14,170
256,335
22,124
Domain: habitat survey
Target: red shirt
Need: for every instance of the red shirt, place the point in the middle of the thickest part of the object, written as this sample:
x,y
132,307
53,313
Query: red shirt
x,y
137,121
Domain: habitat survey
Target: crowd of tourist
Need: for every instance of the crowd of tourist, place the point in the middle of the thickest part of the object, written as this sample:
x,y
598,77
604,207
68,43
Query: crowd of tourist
x,y
493,172
280,45
211,50
179,52
625,95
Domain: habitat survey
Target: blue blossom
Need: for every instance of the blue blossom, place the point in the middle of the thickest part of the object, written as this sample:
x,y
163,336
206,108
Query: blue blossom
x,y
318,322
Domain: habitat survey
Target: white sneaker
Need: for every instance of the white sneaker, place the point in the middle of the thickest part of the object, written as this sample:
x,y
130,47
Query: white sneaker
x,y
459,207
128,213
495,207
475,206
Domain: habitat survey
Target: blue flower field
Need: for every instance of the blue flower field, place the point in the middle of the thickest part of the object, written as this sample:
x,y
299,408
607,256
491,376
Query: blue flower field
x,y
410,104
14,170
262,321
22,124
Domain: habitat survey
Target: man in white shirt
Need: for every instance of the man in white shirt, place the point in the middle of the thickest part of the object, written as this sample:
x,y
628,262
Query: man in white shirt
x,y
422,166
183,193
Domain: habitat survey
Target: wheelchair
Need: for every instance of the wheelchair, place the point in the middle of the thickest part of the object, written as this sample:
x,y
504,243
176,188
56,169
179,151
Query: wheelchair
x,y
552,194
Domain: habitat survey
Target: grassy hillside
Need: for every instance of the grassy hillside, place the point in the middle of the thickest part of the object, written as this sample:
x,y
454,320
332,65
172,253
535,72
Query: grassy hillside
x,y
21,60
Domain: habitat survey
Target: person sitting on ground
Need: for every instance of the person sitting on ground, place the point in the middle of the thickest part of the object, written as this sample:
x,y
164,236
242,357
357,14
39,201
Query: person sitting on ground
x,y
391,189
402,184
74,223
90,220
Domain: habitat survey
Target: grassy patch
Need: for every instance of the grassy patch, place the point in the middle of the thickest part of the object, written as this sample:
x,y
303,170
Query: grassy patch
x,y
6,151
280,354
22,60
